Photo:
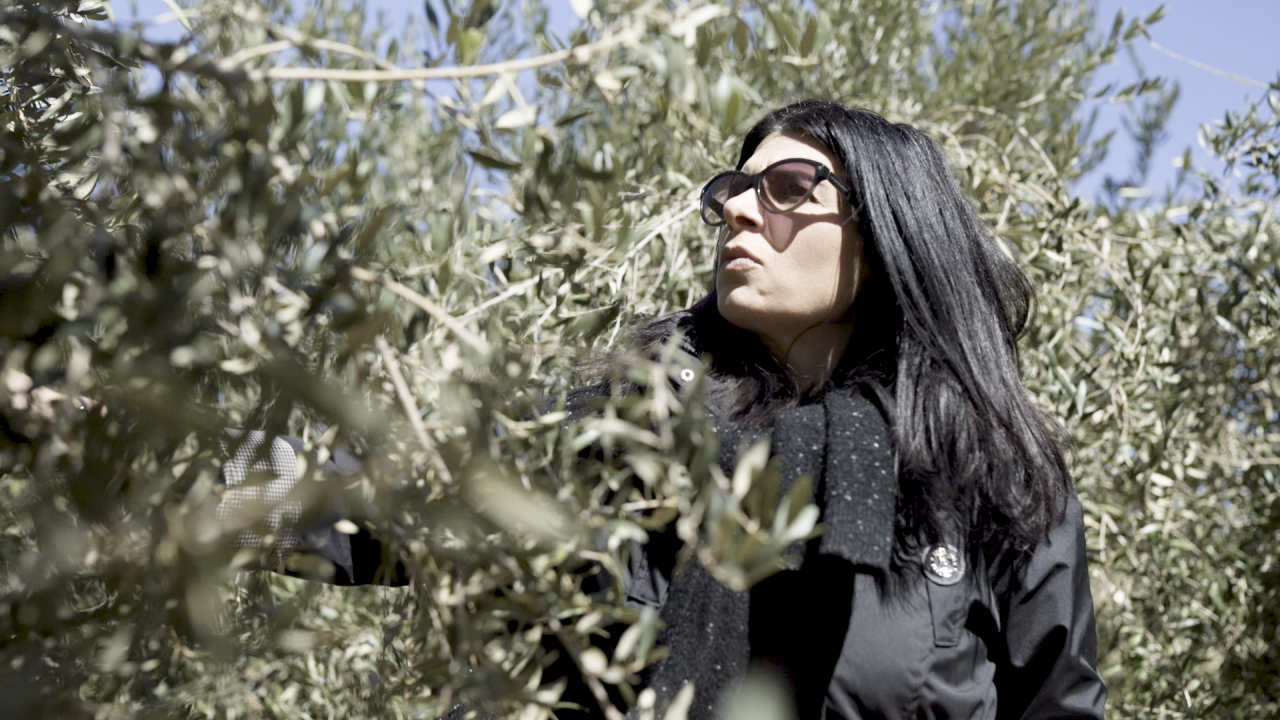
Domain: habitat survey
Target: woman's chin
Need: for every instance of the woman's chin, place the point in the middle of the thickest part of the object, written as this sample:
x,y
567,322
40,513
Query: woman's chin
x,y
742,309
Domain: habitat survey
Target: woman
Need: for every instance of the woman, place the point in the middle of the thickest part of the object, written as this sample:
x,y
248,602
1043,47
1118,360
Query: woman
x,y
865,321
854,283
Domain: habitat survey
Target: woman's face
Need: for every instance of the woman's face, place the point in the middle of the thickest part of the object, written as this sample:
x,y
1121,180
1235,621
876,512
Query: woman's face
x,y
781,274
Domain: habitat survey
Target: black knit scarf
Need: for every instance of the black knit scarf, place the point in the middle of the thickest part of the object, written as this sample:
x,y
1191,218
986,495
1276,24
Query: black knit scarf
x,y
793,621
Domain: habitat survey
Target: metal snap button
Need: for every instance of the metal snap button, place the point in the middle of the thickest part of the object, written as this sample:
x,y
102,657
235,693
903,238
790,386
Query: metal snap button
x,y
943,564
686,375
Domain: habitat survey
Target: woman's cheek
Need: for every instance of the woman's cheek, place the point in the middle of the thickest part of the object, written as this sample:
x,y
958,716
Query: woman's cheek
x,y
746,307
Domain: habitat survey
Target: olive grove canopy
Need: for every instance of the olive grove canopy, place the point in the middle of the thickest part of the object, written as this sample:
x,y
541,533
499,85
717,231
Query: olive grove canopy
x,y
401,241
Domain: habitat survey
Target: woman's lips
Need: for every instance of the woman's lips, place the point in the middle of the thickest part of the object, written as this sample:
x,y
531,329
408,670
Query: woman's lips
x,y
737,259
739,264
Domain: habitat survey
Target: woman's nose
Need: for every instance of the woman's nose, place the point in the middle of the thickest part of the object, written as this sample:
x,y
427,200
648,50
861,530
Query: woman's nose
x,y
743,211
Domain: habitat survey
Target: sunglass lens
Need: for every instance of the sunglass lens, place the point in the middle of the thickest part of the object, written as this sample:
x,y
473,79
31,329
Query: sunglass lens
x,y
789,184
718,193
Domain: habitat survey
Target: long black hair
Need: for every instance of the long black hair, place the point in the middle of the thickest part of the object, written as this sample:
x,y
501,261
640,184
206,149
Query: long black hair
x,y
936,325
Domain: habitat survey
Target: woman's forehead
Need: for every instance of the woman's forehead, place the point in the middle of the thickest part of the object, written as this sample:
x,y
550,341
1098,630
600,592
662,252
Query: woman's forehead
x,y
784,146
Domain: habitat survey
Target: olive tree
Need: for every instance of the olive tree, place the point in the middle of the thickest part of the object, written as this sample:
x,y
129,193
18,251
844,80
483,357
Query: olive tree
x,y
407,243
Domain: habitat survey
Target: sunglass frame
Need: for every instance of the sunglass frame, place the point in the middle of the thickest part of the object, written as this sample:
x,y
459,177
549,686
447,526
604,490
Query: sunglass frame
x,y
756,181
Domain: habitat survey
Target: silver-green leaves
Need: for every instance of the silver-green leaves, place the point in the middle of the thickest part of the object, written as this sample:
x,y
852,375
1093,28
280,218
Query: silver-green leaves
x,y
399,240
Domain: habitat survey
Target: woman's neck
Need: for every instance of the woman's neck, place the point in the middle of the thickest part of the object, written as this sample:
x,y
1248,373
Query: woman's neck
x,y
813,354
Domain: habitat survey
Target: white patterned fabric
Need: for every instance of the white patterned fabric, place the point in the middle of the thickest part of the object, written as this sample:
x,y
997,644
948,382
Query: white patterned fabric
x,y
259,477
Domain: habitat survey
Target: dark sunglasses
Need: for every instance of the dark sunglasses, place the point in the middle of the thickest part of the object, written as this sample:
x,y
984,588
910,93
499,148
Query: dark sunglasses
x,y
781,187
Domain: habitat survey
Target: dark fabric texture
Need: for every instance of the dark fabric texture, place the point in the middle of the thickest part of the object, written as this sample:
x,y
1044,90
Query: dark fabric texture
x,y
713,633
852,635
1046,658
860,491
1013,640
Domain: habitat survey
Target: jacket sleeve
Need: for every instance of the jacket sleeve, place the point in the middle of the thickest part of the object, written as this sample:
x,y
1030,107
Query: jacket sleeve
x,y
260,472
1049,668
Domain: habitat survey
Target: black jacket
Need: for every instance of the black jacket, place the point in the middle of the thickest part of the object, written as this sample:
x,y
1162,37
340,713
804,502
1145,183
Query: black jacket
x,y
1013,638
1007,641
856,636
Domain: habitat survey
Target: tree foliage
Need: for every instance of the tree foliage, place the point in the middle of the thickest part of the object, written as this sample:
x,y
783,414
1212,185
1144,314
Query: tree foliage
x,y
243,227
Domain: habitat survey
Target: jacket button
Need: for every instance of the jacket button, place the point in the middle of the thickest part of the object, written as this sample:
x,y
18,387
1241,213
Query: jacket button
x,y
943,564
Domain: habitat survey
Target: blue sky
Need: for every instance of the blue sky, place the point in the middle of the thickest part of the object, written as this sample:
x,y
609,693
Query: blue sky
x,y
1235,36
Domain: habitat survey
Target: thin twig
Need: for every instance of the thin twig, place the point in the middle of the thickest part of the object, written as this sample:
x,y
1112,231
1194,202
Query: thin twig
x,y
637,505
1207,68
1035,145
179,14
579,53
513,290
432,309
166,18
659,230
411,409
1244,462
297,40
593,682
256,51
